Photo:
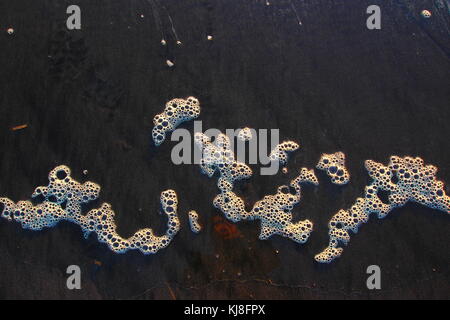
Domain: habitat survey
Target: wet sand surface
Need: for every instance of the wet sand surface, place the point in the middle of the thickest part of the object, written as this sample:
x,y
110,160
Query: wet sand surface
x,y
89,97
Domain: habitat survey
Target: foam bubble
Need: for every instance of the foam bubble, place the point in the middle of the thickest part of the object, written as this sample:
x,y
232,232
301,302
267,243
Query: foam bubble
x,y
176,112
63,190
402,180
334,166
193,221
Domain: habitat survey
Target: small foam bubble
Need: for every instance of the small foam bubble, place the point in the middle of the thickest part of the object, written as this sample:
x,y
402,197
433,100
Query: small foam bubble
x,y
193,222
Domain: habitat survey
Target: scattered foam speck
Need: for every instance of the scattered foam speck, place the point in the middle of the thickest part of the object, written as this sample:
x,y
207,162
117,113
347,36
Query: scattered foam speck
x,y
402,180
176,112
62,202
193,222
334,165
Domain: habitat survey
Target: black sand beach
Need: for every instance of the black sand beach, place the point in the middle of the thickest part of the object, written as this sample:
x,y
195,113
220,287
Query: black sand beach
x,y
88,98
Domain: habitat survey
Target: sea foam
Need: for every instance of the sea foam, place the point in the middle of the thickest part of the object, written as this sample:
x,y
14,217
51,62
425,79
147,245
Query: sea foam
x,y
403,180
334,166
62,200
176,112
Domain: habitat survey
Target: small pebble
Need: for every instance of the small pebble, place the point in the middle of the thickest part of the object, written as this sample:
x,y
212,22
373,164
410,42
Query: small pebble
x,y
170,63
179,43
98,263
163,42
10,31
210,38
85,172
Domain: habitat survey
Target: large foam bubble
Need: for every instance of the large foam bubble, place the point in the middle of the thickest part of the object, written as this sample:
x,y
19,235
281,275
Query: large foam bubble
x,y
62,200
402,180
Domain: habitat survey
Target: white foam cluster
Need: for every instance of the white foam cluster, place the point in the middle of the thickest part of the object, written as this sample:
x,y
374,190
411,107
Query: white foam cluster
x,y
280,152
219,157
403,179
245,134
334,166
63,189
306,176
274,211
176,112
62,201
232,206
193,222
